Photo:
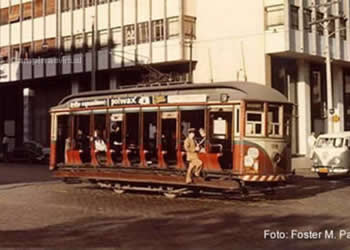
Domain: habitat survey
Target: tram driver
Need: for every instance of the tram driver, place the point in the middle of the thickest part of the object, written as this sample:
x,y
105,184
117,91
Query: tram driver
x,y
191,148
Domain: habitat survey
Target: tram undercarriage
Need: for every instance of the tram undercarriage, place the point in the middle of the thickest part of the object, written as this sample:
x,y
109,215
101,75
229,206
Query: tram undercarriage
x,y
170,182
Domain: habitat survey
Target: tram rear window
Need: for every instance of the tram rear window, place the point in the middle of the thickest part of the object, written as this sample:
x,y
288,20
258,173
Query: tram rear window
x,y
254,117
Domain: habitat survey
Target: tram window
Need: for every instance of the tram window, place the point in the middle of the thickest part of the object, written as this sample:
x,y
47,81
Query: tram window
x,y
62,136
132,136
150,136
220,127
220,133
254,120
237,119
274,121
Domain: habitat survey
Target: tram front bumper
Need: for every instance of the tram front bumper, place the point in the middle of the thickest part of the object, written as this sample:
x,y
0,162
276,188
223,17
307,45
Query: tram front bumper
x,y
329,170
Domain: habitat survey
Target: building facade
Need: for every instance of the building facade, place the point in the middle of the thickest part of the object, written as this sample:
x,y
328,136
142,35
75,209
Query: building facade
x,y
272,42
48,49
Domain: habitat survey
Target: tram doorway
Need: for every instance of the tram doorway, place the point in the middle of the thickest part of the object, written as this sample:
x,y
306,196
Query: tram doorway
x,y
168,137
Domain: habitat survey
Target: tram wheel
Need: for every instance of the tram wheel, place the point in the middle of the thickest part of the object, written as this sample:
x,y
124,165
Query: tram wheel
x,y
323,175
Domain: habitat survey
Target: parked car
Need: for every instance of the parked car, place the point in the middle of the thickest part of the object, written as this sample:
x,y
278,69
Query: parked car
x,y
332,154
31,151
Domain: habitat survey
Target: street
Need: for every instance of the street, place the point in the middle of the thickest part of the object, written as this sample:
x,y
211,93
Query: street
x,y
38,211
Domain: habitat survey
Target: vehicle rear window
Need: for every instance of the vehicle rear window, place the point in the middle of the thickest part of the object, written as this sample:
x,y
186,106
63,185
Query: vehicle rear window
x,y
329,142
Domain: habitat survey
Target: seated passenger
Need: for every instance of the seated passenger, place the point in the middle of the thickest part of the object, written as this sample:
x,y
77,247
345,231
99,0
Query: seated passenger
x,y
201,140
100,148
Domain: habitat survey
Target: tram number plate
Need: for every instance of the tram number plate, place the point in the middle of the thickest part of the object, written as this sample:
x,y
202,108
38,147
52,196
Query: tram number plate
x,y
323,170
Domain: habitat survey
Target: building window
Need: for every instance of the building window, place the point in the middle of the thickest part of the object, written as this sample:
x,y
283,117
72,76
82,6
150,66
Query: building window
x,y
4,16
102,1
65,5
78,43
89,3
88,40
129,35
157,30
320,16
26,51
190,27
274,16
50,7
172,27
143,32
15,55
116,37
294,17
77,4
103,38
67,44
4,54
27,11
14,14
38,8
307,20
343,28
331,27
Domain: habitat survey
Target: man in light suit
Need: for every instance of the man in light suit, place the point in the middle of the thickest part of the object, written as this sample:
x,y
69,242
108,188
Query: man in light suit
x,y
192,149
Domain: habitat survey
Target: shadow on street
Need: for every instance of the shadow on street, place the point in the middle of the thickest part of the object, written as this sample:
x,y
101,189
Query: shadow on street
x,y
228,231
11,173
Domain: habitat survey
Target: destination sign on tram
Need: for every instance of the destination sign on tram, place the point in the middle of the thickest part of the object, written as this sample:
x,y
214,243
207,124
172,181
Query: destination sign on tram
x,y
137,100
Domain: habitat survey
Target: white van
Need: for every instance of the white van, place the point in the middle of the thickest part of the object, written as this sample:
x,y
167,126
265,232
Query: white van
x,y
331,154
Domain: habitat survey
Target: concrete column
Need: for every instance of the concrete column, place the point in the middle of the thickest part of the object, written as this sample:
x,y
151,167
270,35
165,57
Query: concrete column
x,y
28,95
113,82
75,86
304,106
338,85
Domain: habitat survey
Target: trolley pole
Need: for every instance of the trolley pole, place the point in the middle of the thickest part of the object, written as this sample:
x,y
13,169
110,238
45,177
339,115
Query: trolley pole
x,y
325,22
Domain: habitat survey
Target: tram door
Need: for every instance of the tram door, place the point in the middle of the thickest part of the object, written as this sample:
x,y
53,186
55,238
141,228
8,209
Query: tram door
x,y
220,133
168,137
150,136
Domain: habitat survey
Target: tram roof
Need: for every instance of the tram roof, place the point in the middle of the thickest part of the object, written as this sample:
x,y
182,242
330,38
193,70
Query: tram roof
x,y
239,90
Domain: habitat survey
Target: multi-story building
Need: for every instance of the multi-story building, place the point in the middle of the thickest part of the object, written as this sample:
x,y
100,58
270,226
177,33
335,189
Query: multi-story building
x,y
272,42
47,49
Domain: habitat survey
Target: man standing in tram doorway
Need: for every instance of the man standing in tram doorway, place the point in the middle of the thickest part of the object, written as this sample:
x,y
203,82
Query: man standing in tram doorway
x,y
195,164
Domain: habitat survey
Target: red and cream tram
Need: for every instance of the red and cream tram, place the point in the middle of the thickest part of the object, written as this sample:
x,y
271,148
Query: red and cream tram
x,y
246,138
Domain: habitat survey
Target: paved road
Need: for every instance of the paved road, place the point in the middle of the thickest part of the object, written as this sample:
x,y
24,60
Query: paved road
x,y
38,211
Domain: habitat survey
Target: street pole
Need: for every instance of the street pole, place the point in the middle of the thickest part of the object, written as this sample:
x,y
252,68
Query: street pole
x,y
93,56
325,24
329,75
